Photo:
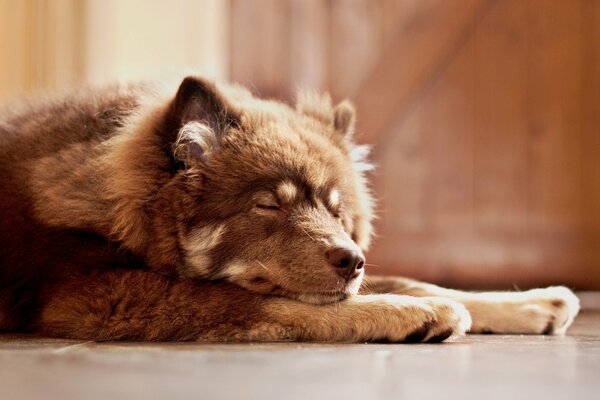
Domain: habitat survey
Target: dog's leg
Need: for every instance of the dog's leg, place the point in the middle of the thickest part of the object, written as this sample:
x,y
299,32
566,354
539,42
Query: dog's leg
x,y
537,311
137,305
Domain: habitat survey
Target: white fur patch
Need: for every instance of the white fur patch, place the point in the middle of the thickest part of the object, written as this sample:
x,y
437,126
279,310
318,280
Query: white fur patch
x,y
287,191
195,141
334,198
233,270
359,155
198,245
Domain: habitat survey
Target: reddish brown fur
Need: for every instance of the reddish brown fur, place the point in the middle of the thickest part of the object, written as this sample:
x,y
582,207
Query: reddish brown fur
x,y
91,184
208,215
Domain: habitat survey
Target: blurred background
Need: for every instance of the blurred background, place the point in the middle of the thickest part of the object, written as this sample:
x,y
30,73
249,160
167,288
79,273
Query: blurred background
x,y
484,115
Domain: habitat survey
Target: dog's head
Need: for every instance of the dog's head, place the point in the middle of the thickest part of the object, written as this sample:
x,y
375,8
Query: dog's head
x,y
279,202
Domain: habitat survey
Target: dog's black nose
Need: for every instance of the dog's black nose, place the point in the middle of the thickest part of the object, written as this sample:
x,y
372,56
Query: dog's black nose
x,y
347,262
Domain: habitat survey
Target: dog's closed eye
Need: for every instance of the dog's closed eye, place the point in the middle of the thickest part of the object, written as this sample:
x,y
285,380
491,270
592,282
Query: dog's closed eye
x,y
271,207
267,203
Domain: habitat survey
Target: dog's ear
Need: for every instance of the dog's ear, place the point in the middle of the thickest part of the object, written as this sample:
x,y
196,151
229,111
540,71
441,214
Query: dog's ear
x,y
197,118
344,119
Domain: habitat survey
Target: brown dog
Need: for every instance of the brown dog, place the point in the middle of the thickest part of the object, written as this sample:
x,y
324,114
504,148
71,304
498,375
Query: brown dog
x,y
214,216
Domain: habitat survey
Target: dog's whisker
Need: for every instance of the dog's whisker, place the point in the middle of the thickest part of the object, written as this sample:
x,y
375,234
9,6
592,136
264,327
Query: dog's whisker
x,y
263,265
367,286
307,234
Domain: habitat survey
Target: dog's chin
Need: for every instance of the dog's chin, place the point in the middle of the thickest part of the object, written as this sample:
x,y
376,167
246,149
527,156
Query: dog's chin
x,y
313,296
309,295
319,298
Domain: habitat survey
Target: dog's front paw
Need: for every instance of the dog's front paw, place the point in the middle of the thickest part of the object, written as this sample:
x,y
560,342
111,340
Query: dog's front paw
x,y
551,310
444,319
548,311
383,318
416,320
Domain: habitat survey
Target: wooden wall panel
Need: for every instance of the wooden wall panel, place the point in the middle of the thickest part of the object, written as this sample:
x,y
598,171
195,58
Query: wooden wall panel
x,y
500,118
554,112
41,46
56,44
418,54
154,39
260,46
449,197
355,44
485,114
591,113
309,45
525,72
400,182
485,124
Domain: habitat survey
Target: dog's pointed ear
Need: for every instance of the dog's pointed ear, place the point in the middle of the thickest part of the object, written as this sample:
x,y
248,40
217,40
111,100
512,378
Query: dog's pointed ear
x,y
198,117
344,118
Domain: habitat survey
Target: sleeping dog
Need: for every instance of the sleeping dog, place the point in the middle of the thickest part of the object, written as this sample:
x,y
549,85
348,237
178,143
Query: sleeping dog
x,y
130,213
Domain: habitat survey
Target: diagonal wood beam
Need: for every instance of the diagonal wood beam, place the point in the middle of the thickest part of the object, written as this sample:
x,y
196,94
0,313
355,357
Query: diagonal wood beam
x,y
419,52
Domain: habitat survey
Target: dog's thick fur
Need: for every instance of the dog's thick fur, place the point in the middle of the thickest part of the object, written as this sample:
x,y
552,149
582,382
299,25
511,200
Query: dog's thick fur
x,y
208,215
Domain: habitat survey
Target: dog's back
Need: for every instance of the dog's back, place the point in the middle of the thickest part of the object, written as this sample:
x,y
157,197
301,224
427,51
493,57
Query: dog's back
x,y
42,144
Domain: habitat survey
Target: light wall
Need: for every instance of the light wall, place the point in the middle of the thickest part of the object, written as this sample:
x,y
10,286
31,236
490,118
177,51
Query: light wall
x,y
53,44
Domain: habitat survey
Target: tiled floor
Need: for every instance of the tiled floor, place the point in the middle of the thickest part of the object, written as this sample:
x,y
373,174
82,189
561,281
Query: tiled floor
x,y
476,367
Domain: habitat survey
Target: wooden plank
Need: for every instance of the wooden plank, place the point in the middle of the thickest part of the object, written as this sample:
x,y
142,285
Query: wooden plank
x,y
427,172
185,37
427,159
595,123
392,14
449,107
421,49
309,44
399,180
590,86
44,43
555,112
355,44
500,117
61,43
260,46
492,260
536,189
12,74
